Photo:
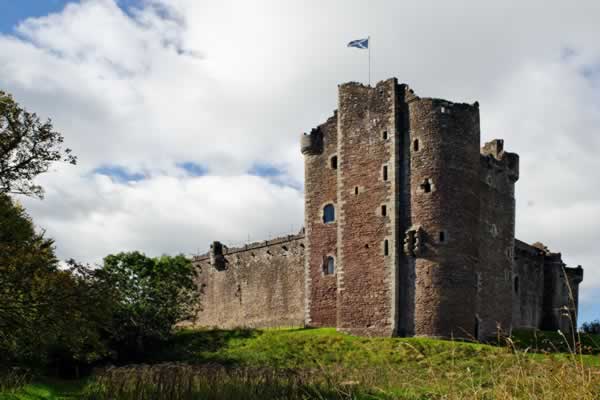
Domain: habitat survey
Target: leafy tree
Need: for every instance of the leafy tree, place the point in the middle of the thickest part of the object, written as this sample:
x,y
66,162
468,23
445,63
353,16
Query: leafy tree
x,y
26,257
27,148
153,294
48,315
592,327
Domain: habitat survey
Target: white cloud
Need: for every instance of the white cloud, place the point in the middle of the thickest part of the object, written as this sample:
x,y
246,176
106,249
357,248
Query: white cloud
x,y
90,217
233,83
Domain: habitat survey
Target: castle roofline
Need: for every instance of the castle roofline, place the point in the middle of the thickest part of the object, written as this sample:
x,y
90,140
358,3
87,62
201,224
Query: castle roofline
x,y
411,96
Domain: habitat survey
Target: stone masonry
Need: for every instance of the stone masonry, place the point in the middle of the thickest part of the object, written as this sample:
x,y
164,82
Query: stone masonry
x,y
409,231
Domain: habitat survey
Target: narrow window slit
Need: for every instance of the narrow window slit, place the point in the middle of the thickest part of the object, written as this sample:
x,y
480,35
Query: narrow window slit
x,y
385,173
426,186
334,163
383,210
386,249
329,266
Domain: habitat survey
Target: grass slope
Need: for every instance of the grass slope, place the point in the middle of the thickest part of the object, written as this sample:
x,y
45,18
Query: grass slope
x,y
358,367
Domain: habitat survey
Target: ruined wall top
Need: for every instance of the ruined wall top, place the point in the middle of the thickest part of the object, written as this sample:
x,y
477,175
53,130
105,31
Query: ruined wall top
x,y
312,143
494,157
219,249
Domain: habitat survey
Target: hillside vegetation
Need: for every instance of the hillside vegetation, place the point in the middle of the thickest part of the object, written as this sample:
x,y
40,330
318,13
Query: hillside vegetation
x,y
323,363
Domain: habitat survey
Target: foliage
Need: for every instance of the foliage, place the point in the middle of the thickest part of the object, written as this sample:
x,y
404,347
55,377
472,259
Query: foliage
x,y
47,314
592,327
553,341
151,296
73,315
27,148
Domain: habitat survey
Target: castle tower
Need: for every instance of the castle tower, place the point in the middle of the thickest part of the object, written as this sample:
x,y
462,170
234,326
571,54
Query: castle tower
x,y
406,205
366,189
444,212
321,262
410,224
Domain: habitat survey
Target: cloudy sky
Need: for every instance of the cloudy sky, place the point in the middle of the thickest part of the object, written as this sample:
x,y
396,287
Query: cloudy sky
x,y
186,114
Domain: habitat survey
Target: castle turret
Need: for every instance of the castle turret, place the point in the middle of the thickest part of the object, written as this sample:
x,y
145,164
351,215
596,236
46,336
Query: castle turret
x,y
217,259
312,143
444,164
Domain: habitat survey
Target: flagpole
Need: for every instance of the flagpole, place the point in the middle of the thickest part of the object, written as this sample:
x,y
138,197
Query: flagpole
x,y
369,49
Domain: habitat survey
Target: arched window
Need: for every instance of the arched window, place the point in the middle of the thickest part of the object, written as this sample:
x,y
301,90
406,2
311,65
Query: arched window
x,y
328,213
329,266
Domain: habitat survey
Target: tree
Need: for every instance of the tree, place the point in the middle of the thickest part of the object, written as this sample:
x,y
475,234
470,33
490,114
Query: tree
x,y
592,327
27,148
153,294
26,258
48,315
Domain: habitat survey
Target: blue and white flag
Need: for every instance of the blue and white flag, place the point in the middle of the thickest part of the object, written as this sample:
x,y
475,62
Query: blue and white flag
x,y
360,43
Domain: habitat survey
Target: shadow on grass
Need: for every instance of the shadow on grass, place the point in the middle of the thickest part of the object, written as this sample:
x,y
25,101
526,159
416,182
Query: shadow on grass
x,y
46,389
553,342
194,346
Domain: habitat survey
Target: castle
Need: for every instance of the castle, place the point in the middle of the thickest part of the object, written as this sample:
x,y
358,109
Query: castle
x,y
409,231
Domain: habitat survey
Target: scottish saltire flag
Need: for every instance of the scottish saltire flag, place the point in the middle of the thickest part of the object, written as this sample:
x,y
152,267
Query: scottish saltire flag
x,y
360,43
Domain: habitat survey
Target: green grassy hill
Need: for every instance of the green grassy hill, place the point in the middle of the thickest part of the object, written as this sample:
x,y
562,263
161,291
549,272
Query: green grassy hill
x,y
322,363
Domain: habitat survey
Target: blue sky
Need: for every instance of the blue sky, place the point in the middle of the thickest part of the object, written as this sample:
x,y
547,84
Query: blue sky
x,y
184,150
13,11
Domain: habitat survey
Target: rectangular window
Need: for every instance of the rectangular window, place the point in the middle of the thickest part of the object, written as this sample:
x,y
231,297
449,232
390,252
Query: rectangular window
x,y
383,210
385,173
386,249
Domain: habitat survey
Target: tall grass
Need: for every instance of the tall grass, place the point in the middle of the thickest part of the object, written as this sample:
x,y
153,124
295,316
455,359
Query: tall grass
x,y
512,374
174,381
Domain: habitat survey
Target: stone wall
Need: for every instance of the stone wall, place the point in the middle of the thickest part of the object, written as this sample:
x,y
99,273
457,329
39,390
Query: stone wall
x,y
545,291
320,187
497,176
365,188
260,285
527,287
445,215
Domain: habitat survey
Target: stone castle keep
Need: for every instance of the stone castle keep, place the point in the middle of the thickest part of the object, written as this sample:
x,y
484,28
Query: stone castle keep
x,y
409,230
